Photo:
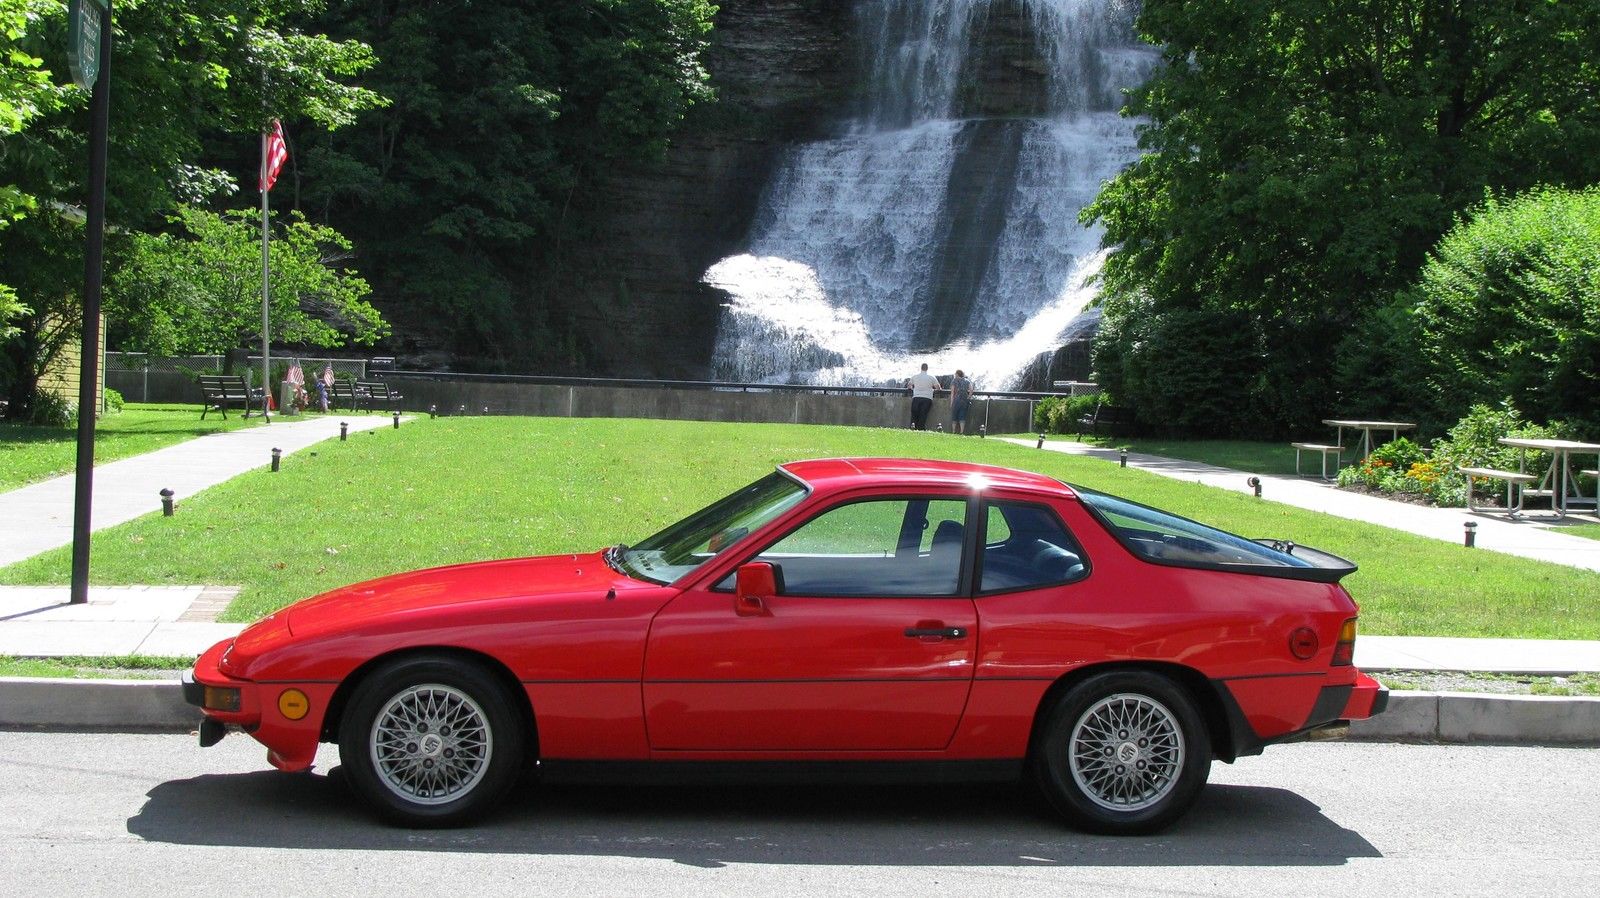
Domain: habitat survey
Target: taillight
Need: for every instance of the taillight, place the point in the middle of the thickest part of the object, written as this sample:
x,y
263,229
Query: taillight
x,y
1344,651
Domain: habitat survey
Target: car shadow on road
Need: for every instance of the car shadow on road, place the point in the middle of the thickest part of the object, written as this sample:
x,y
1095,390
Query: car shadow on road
x,y
937,825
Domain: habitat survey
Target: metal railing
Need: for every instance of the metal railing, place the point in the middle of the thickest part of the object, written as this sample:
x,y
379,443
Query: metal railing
x,y
717,385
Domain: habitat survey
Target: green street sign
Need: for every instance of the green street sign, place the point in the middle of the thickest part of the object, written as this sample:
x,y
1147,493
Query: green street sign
x,y
84,21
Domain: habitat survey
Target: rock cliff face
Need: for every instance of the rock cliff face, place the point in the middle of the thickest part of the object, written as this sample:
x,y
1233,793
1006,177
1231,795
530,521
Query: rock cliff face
x,y
782,69
786,71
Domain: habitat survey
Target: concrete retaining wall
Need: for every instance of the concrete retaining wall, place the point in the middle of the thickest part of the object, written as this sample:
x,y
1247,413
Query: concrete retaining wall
x,y
471,397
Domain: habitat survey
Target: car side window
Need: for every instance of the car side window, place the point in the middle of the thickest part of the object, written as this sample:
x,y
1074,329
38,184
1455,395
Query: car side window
x,y
1027,546
882,547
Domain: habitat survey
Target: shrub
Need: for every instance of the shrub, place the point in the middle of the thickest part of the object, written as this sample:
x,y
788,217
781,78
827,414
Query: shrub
x,y
1193,370
1060,414
113,400
1508,304
51,410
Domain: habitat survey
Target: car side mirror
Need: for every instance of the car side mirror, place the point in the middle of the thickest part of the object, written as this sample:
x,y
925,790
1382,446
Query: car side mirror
x,y
758,580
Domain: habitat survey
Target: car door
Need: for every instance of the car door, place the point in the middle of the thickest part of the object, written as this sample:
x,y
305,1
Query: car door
x,y
867,644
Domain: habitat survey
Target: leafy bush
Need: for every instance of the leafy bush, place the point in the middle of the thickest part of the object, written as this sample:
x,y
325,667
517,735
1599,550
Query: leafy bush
x,y
1191,370
113,400
1509,305
52,410
1384,468
1060,414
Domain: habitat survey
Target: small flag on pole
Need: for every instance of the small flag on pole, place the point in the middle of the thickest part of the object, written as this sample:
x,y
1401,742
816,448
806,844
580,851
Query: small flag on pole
x,y
274,152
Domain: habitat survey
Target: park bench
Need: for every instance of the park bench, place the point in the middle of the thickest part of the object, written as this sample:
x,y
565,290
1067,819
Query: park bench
x,y
345,392
377,391
1324,449
1516,482
1105,416
218,391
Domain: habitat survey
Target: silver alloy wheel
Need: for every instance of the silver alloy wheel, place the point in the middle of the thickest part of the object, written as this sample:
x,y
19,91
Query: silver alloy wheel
x,y
431,744
1126,752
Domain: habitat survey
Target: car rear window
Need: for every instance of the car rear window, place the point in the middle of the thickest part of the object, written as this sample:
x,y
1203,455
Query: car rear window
x,y
1169,539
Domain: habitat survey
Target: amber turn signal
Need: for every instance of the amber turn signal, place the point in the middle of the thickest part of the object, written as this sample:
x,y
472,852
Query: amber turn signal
x,y
220,698
293,704
1344,652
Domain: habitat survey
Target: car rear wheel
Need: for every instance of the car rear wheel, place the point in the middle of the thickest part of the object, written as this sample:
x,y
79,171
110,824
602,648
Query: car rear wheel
x,y
431,741
1123,753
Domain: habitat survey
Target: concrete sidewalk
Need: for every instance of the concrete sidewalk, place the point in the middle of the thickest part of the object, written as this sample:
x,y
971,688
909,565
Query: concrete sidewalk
x,y
38,517
1535,536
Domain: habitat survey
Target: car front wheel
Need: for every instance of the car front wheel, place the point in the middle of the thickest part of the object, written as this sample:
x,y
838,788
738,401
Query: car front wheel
x,y
1123,753
431,741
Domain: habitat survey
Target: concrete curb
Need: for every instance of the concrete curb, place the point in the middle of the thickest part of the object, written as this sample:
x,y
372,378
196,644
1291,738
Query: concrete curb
x,y
68,704
1452,717
1476,717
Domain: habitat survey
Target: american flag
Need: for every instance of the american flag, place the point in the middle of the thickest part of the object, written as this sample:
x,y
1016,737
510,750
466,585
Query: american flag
x,y
274,152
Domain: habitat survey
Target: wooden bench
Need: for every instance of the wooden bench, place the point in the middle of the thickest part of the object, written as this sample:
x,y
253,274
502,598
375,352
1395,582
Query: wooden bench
x,y
1107,416
218,391
1516,482
344,391
1336,451
378,391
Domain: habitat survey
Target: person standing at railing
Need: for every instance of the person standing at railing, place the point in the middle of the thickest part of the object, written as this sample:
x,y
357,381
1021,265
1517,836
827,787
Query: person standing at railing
x,y
960,399
922,384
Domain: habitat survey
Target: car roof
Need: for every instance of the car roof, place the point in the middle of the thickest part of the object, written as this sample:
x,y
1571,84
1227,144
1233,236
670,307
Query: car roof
x,y
842,473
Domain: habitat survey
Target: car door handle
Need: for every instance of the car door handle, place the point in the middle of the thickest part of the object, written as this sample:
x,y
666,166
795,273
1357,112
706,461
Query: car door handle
x,y
945,632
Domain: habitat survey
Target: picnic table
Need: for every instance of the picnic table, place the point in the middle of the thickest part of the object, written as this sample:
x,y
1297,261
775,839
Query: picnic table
x,y
1558,483
1366,428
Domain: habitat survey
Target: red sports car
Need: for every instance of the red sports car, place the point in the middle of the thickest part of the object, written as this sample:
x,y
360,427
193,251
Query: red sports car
x,y
836,618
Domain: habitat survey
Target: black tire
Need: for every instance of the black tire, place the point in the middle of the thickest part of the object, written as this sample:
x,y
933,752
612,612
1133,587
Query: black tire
x,y
431,741
1123,753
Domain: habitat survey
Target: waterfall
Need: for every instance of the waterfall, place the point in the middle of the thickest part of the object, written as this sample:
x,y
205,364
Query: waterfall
x,y
940,223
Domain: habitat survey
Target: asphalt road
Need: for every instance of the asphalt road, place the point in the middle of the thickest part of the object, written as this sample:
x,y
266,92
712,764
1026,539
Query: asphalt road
x,y
128,815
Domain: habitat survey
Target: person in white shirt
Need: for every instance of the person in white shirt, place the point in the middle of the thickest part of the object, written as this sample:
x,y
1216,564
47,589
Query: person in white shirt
x,y
922,384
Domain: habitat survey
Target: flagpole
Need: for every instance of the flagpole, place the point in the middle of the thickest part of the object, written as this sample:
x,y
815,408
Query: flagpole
x,y
266,353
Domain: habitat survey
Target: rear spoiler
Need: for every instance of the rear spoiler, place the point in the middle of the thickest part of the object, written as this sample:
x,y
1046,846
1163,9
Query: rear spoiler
x,y
1326,567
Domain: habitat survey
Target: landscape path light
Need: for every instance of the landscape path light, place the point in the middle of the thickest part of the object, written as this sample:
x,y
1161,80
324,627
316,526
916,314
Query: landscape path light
x,y
277,455
344,430
166,502
1472,534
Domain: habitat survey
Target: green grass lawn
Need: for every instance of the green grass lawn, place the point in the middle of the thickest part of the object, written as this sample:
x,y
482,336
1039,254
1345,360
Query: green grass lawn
x,y
30,454
458,489
124,667
1241,455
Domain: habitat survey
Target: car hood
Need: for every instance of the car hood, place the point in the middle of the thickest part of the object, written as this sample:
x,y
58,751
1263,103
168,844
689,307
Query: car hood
x,y
548,576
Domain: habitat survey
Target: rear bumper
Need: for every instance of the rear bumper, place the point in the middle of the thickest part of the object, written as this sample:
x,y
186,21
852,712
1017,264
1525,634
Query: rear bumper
x,y
1368,698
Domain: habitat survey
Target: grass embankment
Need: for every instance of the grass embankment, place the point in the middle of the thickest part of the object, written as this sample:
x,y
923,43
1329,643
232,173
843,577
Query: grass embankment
x,y
459,489
30,454
1240,455
87,667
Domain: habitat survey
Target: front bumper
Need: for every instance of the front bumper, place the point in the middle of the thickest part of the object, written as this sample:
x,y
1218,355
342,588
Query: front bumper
x,y
291,743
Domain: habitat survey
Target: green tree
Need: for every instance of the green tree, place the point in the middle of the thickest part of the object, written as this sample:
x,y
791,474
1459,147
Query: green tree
x,y
25,92
462,192
180,72
1508,304
201,293
1301,156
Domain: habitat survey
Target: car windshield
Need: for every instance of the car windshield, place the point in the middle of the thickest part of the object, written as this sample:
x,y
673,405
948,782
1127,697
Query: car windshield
x,y
1168,538
696,539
